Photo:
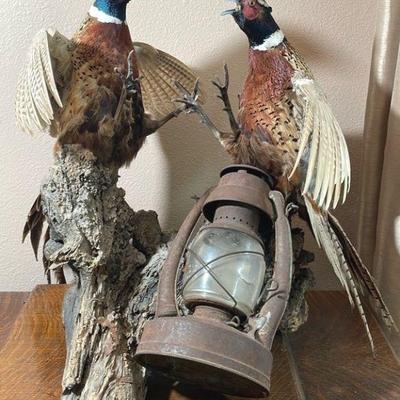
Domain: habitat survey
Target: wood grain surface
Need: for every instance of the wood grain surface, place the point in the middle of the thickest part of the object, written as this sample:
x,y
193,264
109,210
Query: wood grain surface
x,y
11,304
329,359
32,359
333,355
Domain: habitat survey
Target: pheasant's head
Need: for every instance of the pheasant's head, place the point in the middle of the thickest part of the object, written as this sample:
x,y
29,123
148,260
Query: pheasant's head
x,y
109,11
255,19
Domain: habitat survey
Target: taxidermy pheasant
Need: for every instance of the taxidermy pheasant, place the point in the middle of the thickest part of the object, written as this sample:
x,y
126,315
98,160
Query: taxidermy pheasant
x,y
99,90
286,127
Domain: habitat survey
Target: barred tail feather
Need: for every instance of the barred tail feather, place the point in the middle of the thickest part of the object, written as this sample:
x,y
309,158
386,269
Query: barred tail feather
x,y
362,272
330,242
34,225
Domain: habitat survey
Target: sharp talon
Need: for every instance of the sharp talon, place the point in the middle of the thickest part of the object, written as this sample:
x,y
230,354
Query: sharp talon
x,y
181,88
120,74
196,86
183,101
217,83
130,63
226,74
291,209
189,99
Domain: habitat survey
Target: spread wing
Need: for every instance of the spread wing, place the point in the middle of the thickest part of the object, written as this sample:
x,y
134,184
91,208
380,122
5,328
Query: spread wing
x,y
39,89
323,153
159,71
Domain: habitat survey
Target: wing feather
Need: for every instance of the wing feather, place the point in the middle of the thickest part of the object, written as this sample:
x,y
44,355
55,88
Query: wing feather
x,y
38,87
323,149
38,95
159,71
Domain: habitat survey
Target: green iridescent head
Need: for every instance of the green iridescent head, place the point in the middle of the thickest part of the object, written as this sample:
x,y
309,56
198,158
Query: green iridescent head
x,y
109,11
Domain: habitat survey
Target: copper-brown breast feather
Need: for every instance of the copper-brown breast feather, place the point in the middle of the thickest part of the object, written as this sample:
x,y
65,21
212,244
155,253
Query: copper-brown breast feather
x,y
268,113
91,100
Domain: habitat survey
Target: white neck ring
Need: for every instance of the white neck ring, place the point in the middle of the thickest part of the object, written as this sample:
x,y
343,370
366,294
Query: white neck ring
x,y
271,41
101,16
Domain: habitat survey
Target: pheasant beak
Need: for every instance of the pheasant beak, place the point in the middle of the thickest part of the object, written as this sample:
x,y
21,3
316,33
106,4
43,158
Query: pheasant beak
x,y
233,11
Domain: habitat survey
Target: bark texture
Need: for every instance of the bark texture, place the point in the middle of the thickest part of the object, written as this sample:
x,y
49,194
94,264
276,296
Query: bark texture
x,y
115,255
296,313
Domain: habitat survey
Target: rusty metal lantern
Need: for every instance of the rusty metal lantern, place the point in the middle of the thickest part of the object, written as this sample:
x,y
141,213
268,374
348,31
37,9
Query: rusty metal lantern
x,y
224,343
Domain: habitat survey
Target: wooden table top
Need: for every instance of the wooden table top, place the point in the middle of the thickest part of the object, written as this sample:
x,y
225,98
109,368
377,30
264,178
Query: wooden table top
x,y
328,359
10,306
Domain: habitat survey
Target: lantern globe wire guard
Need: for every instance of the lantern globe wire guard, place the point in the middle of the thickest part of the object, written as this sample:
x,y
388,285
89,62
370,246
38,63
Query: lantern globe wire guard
x,y
223,279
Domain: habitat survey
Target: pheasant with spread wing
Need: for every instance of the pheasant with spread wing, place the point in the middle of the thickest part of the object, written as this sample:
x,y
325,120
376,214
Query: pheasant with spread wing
x,y
286,127
99,90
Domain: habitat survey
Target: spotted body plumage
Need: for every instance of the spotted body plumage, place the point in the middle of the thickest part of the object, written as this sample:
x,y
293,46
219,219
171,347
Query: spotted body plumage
x,y
267,110
270,114
91,99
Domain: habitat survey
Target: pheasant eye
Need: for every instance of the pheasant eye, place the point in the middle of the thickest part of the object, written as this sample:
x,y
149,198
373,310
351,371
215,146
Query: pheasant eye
x,y
251,10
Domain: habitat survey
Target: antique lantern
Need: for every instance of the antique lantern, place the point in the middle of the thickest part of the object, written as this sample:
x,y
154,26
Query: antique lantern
x,y
223,341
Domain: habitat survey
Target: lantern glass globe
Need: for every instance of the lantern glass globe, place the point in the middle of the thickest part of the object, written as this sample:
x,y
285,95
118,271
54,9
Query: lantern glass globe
x,y
224,267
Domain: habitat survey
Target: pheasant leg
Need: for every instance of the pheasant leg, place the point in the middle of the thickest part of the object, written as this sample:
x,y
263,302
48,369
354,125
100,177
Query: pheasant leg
x,y
190,100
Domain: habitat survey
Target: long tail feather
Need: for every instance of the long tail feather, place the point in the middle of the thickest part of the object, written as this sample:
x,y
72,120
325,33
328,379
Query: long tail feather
x,y
34,225
330,242
361,271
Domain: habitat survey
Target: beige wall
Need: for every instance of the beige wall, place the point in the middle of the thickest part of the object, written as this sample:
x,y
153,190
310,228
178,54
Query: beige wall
x,y
183,160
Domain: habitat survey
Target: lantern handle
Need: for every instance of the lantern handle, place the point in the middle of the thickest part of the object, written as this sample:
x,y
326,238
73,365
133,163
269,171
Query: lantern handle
x,y
166,300
272,312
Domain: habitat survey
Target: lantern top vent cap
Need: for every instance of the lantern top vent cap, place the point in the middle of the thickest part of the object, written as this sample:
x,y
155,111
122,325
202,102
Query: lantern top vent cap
x,y
241,185
250,170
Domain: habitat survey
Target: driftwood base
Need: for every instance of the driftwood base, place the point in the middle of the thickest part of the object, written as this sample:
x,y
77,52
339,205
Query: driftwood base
x,y
115,254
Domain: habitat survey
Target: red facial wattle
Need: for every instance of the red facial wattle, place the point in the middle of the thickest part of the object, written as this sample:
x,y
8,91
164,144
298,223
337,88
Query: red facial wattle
x,y
250,12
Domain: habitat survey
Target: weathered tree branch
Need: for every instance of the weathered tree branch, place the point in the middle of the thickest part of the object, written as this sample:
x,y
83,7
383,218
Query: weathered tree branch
x,y
115,255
